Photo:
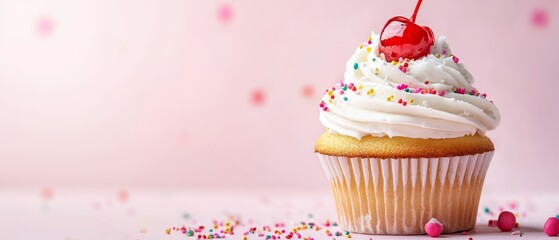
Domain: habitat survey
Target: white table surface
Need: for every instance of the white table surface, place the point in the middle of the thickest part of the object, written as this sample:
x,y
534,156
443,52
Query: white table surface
x,y
145,214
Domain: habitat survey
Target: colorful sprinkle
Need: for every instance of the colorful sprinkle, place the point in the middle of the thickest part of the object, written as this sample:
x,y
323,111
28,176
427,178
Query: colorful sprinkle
x,y
455,59
355,66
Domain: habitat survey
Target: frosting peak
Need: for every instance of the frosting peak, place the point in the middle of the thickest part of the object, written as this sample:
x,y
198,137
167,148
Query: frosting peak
x,y
431,97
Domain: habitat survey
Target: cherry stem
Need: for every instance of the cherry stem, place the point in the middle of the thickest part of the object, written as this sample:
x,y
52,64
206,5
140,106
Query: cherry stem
x,y
416,10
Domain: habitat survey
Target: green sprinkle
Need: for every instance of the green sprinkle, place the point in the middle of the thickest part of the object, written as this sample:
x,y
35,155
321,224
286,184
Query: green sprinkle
x,y
211,230
355,66
374,59
346,232
268,236
344,88
190,233
486,210
345,99
557,216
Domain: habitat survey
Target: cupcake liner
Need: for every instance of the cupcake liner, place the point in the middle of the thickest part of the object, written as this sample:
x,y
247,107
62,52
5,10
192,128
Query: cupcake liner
x,y
400,195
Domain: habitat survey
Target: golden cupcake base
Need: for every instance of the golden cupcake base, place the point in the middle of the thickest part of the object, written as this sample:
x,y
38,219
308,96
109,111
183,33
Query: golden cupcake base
x,y
399,195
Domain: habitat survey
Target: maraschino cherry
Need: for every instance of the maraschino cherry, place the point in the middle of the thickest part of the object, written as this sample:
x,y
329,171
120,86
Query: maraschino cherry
x,y
402,38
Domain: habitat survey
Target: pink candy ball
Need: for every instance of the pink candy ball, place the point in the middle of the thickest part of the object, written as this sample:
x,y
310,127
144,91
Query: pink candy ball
x,y
551,226
434,228
506,221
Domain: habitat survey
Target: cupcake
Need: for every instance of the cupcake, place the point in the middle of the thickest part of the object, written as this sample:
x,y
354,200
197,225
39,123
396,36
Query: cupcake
x,y
405,135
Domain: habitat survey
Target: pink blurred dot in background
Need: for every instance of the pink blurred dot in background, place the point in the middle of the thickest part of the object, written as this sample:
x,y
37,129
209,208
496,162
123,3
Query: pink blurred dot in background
x,y
45,26
123,196
183,138
47,193
257,97
225,13
540,18
308,91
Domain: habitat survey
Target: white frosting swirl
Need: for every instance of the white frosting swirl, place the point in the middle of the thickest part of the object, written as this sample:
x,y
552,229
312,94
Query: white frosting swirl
x,y
395,99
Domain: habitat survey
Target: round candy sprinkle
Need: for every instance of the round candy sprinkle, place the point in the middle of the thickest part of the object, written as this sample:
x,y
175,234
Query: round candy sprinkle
x,y
455,59
434,228
551,226
506,221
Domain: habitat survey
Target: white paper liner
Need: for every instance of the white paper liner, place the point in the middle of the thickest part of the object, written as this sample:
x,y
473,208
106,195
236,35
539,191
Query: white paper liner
x,y
398,196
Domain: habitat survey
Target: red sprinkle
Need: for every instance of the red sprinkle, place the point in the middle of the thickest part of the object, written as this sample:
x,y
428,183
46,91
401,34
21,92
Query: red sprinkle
x,y
455,59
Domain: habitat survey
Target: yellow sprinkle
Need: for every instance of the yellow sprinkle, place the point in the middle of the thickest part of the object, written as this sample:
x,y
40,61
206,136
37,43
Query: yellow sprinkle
x,y
388,99
349,236
245,238
411,100
437,55
424,90
370,38
168,231
369,49
295,230
330,100
360,46
394,62
227,224
376,69
360,88
330,93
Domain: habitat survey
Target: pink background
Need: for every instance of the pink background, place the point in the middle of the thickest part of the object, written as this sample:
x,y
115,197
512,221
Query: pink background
x,y
215,94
